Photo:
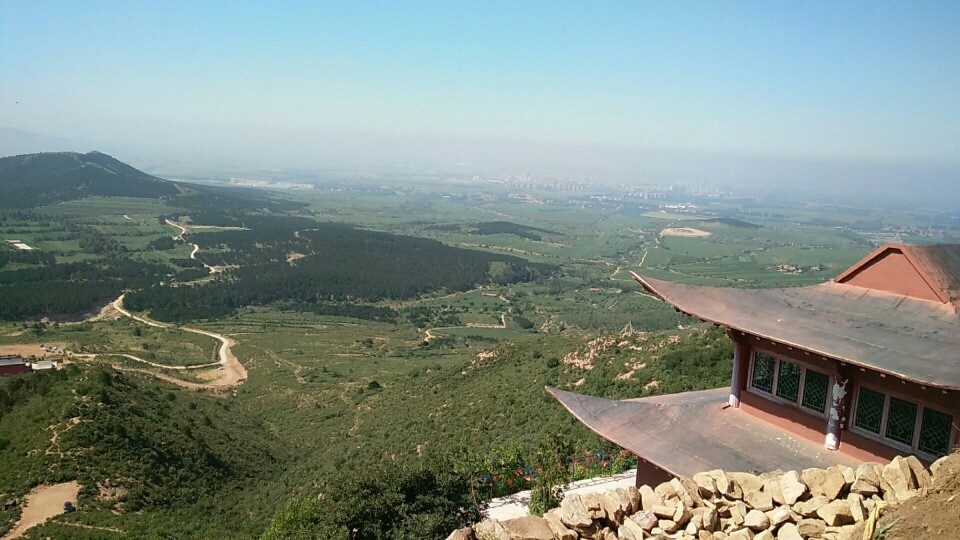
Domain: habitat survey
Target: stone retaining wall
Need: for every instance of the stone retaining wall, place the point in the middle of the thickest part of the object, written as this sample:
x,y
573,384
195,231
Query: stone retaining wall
x,y
718,505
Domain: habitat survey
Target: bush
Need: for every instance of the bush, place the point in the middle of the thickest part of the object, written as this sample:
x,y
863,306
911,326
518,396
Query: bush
x,y
414,500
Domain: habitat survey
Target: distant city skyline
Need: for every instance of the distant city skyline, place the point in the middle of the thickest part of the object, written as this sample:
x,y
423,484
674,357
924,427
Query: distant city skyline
x,y
752,91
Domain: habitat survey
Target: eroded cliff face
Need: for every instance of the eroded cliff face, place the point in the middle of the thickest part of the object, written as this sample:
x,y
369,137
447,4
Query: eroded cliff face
x,y
829,504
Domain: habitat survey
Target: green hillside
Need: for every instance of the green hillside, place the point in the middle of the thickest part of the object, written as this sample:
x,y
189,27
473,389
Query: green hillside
x,y
36,179
147,455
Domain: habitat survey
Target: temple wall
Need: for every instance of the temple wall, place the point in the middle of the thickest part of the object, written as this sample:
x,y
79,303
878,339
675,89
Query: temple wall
x,y
893,273
650,474
813,427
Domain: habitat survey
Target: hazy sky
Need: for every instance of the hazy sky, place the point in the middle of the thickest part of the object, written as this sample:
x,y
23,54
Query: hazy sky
x,y
812,82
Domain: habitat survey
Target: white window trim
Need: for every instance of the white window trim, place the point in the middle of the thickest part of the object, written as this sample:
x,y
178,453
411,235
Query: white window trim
x,y
917,426
772,396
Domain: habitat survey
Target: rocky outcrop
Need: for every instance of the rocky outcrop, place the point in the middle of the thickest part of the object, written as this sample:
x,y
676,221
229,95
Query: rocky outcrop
x,y
823,504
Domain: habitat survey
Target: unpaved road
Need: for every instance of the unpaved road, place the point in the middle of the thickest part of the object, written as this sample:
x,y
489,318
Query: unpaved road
x,y
41,504
232,372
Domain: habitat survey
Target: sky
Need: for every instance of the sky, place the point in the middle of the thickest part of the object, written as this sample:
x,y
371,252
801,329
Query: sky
x,y
725,90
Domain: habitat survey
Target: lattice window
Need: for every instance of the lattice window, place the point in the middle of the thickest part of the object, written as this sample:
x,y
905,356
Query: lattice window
x,y
935,432
869,410
763,372
788,381
815,386
901,420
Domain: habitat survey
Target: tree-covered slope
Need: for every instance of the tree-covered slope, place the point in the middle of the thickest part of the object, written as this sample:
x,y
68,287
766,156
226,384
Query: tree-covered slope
x,y
149,457
36,179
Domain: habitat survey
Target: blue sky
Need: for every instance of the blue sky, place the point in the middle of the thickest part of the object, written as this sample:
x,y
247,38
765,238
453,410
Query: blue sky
x,y
874,82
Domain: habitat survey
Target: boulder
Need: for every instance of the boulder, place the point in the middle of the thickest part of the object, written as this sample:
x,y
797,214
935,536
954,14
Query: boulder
x,y
491,530
668,525
741,534
688,491
594,503
789,531
813,478
792,487
465,533
681,514
613,507
630,531
747,481
560,531
528,528
649,498
764,535
897,473
771,486
667,492
706,535
779,515
836,513
936,465
921,477
756,520
706,485
711,519
726,485
607,534
864,487
857,510
810,528
849,475
834,483
663,511
573,513
758,500
646,520
809,507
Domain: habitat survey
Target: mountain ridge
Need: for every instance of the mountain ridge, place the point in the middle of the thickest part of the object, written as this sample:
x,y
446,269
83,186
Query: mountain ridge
x,y
29,180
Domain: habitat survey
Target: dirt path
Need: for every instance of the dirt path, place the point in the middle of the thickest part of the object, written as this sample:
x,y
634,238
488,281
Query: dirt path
x,y
41,504
645,251
232,372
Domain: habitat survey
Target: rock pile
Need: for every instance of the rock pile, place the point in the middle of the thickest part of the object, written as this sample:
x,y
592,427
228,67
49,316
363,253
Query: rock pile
x,y
717,505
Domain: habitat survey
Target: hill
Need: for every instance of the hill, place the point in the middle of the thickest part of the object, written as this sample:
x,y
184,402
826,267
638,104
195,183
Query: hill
x,y
145,455
36,179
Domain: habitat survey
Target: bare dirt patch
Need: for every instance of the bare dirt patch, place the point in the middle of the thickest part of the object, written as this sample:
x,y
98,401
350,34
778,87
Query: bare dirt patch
x,y
935,514
33,349
294,256
685,231
43,503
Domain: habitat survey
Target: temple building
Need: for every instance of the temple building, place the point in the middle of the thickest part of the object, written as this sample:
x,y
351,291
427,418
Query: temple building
x,y
863,367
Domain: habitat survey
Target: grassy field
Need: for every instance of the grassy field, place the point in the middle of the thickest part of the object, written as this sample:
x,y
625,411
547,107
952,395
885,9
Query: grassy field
x,y
331,394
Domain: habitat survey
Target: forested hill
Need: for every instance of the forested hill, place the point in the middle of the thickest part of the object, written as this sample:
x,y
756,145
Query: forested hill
x,y
35,179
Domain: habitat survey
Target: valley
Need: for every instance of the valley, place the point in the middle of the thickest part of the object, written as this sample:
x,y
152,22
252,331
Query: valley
x,y
247,350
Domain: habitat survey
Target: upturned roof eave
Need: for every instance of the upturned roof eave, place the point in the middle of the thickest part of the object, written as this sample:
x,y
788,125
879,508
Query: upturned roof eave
x,y
803,347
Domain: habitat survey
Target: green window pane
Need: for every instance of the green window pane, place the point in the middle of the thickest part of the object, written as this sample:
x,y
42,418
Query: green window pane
x,y
869,410
815,390
901,421
935,432
788,381
763,372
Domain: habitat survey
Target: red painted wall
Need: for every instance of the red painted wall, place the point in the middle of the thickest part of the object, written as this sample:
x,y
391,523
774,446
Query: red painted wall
x,y
650,474
893,273
813,428
13,370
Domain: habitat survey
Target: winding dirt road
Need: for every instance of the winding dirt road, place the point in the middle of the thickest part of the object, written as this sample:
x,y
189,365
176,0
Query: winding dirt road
x,y
232,371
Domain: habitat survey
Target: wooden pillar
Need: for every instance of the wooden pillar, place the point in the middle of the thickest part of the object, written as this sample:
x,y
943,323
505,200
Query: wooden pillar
x,y
839,402
741,367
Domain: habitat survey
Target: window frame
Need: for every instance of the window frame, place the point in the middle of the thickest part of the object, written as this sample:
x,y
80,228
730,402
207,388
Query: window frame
x,y
922,405
804,367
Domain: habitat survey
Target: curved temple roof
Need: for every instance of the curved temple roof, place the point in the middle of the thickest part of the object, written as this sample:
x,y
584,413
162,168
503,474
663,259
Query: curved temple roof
x,y
694,431
918,340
